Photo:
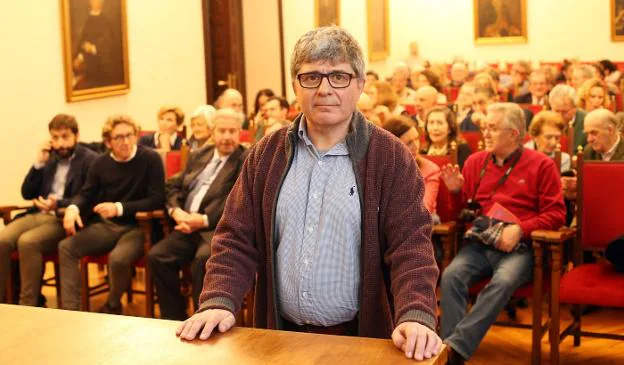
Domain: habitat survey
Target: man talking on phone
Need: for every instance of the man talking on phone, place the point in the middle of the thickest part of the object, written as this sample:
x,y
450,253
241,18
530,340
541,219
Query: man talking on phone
x,y
59,171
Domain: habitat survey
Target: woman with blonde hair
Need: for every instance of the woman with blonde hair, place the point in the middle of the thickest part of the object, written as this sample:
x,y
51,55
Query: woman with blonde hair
x,y
592,95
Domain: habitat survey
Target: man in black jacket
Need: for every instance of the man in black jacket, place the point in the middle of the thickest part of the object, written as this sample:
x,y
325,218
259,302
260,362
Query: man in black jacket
x,y
129,179
57,175
195,201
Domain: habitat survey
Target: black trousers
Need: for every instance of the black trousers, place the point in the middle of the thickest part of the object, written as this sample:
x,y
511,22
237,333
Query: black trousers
x,y
167,258
615,253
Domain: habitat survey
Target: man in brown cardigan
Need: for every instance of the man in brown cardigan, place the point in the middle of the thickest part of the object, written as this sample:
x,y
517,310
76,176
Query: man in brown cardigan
x,y
328,216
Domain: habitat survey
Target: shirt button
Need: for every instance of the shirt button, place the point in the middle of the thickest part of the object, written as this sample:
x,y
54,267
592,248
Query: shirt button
x,y
305,294
320,163
314,196
308,322
310,229
305,261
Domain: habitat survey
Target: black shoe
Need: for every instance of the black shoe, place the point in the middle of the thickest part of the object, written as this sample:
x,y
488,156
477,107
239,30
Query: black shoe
x,y
455,358
41,302
108,309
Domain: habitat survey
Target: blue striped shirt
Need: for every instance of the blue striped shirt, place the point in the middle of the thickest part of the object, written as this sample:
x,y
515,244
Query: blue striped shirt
x,y
319,235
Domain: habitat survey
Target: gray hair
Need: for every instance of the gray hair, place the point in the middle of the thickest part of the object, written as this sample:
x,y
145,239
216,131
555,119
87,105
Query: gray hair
x,y
587,71
562,92
606,116
513,117
227,113
207,112
332,44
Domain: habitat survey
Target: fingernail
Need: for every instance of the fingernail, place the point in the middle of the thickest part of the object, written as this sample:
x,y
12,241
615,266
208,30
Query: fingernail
x,y
409,355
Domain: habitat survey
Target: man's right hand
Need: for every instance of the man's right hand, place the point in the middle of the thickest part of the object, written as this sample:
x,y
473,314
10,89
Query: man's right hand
x,y
71,218
569,186
44,153
179,215
452,177
206,322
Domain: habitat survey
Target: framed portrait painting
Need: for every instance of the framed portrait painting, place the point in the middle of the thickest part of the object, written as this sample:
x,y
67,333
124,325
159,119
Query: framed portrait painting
x,y
500,21
378,32
617,20
327,12
95,48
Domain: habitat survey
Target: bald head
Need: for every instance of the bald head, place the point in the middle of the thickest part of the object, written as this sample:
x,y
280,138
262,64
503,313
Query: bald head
x,y
426,98
231,98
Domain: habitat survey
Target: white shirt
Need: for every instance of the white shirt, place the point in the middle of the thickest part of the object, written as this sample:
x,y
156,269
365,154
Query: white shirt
x,y
607,155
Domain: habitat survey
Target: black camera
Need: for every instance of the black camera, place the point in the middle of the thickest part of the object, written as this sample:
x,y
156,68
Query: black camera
x,y
471,212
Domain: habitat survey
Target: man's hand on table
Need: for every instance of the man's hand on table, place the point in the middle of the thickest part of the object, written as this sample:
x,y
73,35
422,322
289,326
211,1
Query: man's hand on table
x,y
206,320
416,340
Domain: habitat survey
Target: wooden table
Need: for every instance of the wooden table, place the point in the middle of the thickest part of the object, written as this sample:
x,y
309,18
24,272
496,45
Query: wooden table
x,y
51,336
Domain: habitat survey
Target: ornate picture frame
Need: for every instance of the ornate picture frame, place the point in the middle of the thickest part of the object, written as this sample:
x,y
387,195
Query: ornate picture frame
x,y
326,12
617,20
500,21
378,30
95,48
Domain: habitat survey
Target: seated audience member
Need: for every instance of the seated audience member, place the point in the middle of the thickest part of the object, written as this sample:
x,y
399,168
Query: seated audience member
x,y
166,138
261,98
519,78
385,100
275,113
604,143
562,99
430,78
201,127
399,79
371,77
483,80
195,201
612,74
538,90
426,99
546,131
580,74
463,104
503,92
459,74
440,132
58,173
414,60
403,128
530,197
483,97
232,99
367,108
592,95
128,180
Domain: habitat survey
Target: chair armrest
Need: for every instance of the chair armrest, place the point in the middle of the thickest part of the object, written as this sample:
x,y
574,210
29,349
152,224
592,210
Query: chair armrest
x,y
445,229
6,210
553,237
158,214
143,216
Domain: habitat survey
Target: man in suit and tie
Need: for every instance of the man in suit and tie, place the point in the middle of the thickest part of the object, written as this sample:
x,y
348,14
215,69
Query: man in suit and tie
x,y
195,201
538,90
57,175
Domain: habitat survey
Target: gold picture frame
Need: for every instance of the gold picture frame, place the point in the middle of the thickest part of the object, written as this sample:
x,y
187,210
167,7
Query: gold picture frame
x,y
95,49
326,12
500,21
378,30
617,20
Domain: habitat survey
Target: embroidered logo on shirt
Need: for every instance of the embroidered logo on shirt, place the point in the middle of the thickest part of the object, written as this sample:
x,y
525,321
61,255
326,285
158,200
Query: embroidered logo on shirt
x,y
352,190
521,181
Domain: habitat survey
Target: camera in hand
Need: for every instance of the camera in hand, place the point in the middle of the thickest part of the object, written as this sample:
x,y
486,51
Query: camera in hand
x,y
471,212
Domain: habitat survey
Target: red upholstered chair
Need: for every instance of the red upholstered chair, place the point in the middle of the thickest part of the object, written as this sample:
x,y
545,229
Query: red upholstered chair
x,y
599,221
473,139
532,108
11,297
245,136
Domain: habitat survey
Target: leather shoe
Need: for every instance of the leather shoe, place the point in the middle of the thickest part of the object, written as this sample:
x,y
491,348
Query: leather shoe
x,y
108,309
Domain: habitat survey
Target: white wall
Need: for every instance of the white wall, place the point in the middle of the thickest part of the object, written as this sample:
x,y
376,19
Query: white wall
x,y
444,29
262,48
166,67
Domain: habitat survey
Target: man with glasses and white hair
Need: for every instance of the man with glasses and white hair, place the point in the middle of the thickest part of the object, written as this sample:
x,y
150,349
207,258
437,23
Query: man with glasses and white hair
x,y
328,218
131,178
509,192
195,201
562,99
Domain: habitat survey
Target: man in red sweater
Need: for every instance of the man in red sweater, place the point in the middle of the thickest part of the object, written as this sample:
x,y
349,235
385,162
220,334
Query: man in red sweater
x,y
327,216
515,191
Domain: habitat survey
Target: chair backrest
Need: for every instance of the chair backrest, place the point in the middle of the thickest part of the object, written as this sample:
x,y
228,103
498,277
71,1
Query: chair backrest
x,y
175,161
600,200
472,139
565,145
245,136
532,108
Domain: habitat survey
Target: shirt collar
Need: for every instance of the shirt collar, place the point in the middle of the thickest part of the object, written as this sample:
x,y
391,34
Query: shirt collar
x,y
508,158
134,152
607,155
339,149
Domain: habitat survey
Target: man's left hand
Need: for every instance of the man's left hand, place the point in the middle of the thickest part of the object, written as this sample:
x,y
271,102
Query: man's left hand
x,y
191,223
416,340
106,210
509,238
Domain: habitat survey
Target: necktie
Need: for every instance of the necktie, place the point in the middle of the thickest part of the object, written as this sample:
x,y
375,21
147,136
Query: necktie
x,y
201,185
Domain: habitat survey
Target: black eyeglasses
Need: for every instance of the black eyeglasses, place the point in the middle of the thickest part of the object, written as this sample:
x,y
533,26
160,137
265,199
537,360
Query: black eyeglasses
x,y
337,80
